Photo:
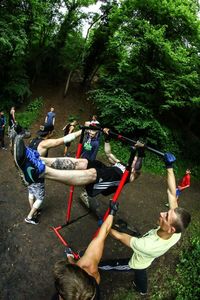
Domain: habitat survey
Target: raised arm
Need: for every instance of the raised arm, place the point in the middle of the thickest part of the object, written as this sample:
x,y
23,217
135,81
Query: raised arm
x,y
107,148
171,181
51,143
124,238
92,256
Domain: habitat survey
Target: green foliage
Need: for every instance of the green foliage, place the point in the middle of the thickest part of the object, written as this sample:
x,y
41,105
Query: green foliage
x,y
184,281
187,285
27,117
134,117
73,117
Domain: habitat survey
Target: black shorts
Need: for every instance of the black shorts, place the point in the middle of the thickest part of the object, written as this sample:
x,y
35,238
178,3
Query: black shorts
x,y
108,179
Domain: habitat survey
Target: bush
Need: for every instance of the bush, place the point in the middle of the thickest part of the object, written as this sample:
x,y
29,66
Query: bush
x,y
26,118
187,284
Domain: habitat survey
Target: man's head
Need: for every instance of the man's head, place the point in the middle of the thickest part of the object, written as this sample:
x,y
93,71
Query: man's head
x,y
174,221
188,171
45,131
1,113
94,117
52,109
92,133
72,282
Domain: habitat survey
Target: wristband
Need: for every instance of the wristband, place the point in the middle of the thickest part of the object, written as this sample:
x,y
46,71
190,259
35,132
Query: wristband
x,y
69,137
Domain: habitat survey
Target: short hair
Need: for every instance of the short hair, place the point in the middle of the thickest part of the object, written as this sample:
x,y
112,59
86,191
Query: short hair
x,y
72,282
183,219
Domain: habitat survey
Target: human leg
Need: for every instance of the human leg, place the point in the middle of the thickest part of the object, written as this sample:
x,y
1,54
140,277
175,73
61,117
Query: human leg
x,y
27,161
66,163
2,139
92,204
37,193
31,199
140,282
71,177
34,168
65,151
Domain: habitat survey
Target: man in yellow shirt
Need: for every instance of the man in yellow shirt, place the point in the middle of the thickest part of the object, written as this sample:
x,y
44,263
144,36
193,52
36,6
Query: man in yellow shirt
x,y
157,241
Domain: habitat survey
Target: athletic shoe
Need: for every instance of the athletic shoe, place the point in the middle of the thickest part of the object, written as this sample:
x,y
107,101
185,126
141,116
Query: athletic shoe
x,y
4,148
31,221
84,199
28,162
135,288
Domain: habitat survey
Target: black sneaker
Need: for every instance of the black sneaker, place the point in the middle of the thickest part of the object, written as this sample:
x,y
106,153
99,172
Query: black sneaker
x,y
31,221
28,161
136,289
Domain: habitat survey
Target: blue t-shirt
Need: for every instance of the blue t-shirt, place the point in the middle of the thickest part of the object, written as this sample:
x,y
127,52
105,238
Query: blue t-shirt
x,y
50,116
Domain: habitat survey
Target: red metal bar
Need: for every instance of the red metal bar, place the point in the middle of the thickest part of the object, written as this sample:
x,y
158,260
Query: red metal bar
x,y
69,206
76,255
59,235
79,150
78,154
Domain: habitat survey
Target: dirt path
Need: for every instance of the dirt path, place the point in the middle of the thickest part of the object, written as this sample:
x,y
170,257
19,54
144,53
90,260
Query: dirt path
x,y
28,252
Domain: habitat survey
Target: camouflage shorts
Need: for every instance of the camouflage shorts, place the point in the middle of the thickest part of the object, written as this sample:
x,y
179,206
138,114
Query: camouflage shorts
x,y
37,190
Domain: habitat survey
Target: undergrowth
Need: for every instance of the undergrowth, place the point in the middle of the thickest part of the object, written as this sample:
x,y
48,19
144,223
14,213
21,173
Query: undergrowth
x,y
28,116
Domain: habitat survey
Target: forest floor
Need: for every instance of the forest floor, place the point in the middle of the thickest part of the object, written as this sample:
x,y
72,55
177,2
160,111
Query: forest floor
x,y
28,252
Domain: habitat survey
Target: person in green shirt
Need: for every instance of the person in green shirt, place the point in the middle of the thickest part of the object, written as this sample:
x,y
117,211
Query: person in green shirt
x,y
157,241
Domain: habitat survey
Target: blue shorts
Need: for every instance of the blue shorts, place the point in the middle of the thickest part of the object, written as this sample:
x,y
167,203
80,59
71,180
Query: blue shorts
x,y
178,192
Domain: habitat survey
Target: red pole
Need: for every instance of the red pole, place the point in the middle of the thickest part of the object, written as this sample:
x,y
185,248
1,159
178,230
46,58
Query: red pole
x,y
78,154
115,196
76,256
69,206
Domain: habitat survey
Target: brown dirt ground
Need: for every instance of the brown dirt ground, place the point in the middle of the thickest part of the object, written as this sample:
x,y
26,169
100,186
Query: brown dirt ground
x,y
28,252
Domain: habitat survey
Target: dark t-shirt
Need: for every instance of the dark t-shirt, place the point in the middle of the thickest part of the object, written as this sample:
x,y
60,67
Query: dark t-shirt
x,y
50,116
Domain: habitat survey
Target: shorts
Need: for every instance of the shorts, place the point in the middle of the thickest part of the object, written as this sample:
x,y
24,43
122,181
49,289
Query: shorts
x,y
37,190
12,133
108,179
178,192
67,144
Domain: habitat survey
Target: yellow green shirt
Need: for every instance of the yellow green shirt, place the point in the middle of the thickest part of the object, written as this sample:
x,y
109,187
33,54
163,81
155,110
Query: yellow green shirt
x,y
148,247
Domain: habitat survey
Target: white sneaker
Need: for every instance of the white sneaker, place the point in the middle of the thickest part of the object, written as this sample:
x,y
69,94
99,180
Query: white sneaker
x,y
31,221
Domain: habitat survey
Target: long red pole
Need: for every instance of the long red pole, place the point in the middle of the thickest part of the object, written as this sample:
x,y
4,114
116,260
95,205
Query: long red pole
x,y
71,189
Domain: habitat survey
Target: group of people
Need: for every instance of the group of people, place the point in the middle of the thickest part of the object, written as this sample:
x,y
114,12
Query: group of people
x,y
80,279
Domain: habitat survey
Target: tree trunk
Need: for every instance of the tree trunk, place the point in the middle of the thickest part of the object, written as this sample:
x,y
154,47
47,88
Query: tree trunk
x,y
67,83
